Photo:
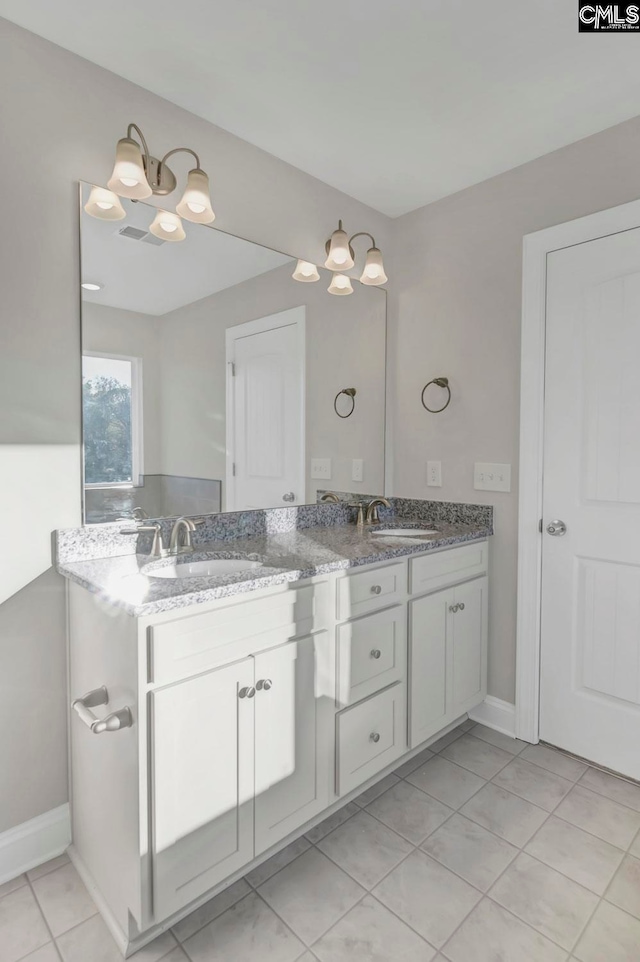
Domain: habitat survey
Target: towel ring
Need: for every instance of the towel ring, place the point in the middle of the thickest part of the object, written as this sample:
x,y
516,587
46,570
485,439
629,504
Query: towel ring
x,y
350,392
441,382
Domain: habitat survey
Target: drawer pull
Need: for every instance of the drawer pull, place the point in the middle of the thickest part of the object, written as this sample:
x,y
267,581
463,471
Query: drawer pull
x,y
246,692
461,606
453,608
264,684
375,653
376,589
110,723
374,737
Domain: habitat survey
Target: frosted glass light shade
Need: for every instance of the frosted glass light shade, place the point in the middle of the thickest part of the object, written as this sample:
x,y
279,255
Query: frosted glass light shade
x,y
340,284
306,272
128,178
373,272
339,257
167,226
104,204
195,204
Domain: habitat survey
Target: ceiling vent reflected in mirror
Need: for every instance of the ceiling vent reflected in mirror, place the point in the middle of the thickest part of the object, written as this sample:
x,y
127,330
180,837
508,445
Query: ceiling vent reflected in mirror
x,y
136,234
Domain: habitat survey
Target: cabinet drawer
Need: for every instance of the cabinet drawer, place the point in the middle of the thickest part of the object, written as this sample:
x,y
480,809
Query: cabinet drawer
x,y
446,567
371,654
186,646
370,736
369,590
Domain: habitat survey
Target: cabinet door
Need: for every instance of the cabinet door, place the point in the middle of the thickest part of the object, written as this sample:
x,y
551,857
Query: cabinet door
x,y
292,738
428,641
469,646
202,783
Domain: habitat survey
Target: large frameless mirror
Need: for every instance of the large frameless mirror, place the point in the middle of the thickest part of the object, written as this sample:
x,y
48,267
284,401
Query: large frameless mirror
x,y
212,381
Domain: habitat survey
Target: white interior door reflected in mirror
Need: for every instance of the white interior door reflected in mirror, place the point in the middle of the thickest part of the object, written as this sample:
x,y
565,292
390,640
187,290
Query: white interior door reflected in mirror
x,y
265,411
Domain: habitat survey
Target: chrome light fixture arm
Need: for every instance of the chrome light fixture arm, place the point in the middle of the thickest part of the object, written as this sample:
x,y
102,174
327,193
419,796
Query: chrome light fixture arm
x,y
143,143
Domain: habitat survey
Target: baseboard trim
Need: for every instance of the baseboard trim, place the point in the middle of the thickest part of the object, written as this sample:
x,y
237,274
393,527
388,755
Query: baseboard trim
x,y
497,714
28,845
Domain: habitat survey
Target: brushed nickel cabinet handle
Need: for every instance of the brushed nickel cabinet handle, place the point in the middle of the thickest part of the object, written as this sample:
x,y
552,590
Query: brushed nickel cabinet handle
x,y
374,737
247,692
375,652
376,589
461,606
453,608
265,684
110,723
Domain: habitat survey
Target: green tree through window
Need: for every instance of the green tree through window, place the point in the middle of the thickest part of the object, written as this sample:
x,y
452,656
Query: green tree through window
x,y
106,406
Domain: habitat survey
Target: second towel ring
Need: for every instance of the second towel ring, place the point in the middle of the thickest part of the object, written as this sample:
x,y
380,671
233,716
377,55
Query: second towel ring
x,y
350,392
441,382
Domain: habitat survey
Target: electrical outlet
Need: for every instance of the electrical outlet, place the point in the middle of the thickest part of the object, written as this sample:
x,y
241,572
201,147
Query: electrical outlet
x,y
321,469
357,469
434,474
492,477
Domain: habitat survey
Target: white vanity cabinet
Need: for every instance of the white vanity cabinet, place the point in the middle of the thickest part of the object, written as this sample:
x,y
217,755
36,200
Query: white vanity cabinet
x,y
238,761
255,715
448,656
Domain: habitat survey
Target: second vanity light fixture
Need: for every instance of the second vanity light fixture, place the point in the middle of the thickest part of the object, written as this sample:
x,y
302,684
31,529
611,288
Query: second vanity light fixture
x,y
137,175
340,258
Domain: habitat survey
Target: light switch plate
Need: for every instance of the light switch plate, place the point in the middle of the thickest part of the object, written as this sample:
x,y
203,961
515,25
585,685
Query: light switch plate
x,y
321,469
357,469
434,474
492,477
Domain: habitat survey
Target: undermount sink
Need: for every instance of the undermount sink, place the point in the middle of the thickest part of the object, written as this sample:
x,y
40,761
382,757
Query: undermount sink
x,y
210,568
403,532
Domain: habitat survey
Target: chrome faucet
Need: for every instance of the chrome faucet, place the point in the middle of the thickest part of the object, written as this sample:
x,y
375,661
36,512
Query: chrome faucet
x,y
181,525
372,510
158,549
330,496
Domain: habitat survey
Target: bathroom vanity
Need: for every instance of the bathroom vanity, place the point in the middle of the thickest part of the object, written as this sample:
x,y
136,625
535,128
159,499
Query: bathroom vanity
x,y
258,702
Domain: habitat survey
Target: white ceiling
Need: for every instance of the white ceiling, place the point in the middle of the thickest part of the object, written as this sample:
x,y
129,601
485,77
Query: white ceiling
x,y
141,277
395,102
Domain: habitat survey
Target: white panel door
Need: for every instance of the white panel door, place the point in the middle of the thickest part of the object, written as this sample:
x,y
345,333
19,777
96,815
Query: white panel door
x,y
292,739
590,655
202,783
267,414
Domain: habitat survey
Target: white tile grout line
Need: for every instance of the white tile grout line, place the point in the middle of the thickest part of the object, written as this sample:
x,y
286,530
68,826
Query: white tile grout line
x,y
44,918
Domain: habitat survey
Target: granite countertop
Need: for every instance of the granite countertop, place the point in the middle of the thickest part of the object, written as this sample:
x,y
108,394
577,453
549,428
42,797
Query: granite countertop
x,y
126,581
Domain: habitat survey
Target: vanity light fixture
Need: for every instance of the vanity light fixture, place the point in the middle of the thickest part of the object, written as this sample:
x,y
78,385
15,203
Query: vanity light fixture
x,y
340,284
167,226
306,272
137,175
104,204
340,258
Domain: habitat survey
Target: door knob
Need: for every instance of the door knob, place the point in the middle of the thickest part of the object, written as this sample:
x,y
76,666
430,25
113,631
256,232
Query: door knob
x,y
290,496
556,528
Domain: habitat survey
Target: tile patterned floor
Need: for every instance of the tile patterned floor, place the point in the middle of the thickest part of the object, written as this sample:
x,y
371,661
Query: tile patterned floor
x,y
482,848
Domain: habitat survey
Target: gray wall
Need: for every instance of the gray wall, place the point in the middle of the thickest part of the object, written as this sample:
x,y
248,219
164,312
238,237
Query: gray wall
x,y
455,310
60,118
